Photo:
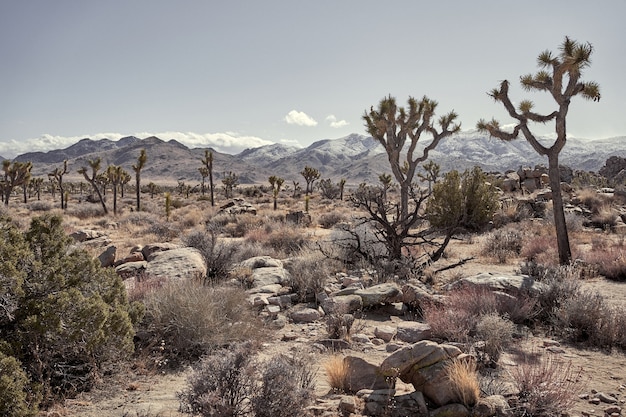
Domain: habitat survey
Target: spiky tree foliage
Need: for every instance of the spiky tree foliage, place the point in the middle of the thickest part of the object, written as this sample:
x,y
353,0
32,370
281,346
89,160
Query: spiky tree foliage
x,y
153,189
36,184
329,189
15,175
57,176
385,181
310,176
394,127
207,161
276,183
95,165
125,179
64,316
559,75
141,162
230,181
204,172
431,173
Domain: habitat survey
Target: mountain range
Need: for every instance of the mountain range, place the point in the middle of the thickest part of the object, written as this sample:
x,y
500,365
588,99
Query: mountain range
x,y
356,158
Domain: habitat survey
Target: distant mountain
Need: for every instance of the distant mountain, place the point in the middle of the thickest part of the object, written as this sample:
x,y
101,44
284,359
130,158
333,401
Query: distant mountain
x,y
357,158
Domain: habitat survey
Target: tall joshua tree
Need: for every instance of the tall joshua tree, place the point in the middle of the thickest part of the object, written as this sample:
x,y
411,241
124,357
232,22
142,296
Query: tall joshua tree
x,y
310,176
141,162
560,77
95,165
207,161
15,175
115,175
392,126
57,176
276,183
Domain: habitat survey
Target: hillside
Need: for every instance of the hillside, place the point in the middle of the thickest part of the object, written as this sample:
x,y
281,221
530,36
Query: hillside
x,y
357,158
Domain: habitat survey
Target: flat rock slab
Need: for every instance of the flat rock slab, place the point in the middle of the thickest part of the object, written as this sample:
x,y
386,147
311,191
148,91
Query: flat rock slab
x,y
506,283
180,263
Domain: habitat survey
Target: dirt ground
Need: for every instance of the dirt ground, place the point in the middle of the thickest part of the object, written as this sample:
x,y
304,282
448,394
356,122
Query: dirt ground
x,y
153,394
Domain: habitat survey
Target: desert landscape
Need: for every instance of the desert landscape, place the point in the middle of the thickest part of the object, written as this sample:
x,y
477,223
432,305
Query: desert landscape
x,y
316,316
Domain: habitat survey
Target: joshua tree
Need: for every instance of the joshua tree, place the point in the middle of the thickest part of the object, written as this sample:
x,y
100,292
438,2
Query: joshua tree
x,y
125,179
430,175
328,189
276,183
115,174
57,175
153,189
207,161
36,184
204,172
230,181
141,162
296,189
15,175
95,165
394,127
385,181
342,185
560,77
310,175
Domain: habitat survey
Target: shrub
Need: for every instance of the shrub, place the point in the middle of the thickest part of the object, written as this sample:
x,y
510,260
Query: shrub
x,y
39,206
164,231
309,273
605,218
218,256
502,244
221,384
336,373
449,324
608,261
192,319
18,397
546,386
287,240
328,220
496,332
511,211
339,325
464,381
286,388
68,316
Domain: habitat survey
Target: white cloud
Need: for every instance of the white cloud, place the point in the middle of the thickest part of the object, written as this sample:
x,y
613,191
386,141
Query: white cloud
x,y
336,123
300,118
227,142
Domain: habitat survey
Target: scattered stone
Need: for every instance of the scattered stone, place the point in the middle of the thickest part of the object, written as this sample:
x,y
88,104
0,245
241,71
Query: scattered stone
x,y
412,332
153,248
384,332
86,234
360,338
238,206
594,401
305,315
412,404
606,398
342,304
107,258
613,410
347,404
507,283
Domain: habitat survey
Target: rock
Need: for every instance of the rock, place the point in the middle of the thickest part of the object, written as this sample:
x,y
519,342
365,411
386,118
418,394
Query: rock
x,y
342,304
347,404
613,410
261,262
502,282
416,295
494,405
376,401
299,218
423,364
361,374
606,398
451,410
131,269
412,404
153,248
132,257
379,294
412,332
107,258
360,338
305,315
384,332
262,277
282,301
238,206
179,263
86,234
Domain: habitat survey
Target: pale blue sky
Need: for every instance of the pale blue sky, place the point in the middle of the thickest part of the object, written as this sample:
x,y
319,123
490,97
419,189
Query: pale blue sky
x,y
235,74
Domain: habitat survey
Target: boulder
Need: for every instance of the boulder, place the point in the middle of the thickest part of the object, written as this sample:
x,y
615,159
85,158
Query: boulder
x,y
413,331
107,258
342,304
131,269
261,262
379,294
384,332
450,410
153,248
299,218
361,374
262,277
86,234
305,315
416,295
509,283
492,406
179,263
412,404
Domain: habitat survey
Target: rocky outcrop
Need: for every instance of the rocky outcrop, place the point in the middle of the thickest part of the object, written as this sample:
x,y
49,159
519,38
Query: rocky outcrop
x,y
178,263
515,284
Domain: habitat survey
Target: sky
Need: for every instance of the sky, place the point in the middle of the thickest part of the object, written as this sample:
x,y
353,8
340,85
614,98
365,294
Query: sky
x,y
237,74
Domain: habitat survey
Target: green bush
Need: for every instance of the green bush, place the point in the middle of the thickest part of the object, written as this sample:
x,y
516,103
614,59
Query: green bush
x,y
464,201
64,316
18,398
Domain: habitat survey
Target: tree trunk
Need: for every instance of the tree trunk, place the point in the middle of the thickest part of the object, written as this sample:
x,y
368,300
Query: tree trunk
x,y
211,185
138,185
562,238
114,199
104,207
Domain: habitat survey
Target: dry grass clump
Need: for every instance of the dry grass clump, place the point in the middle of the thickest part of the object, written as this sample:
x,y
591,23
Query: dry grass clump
x,y
511,211
503,244
609,262
337,373
309,272
328,220
218,256
40,206
192,318
85,211
464,380
546,386
605,218
496,332
280,238
591,199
